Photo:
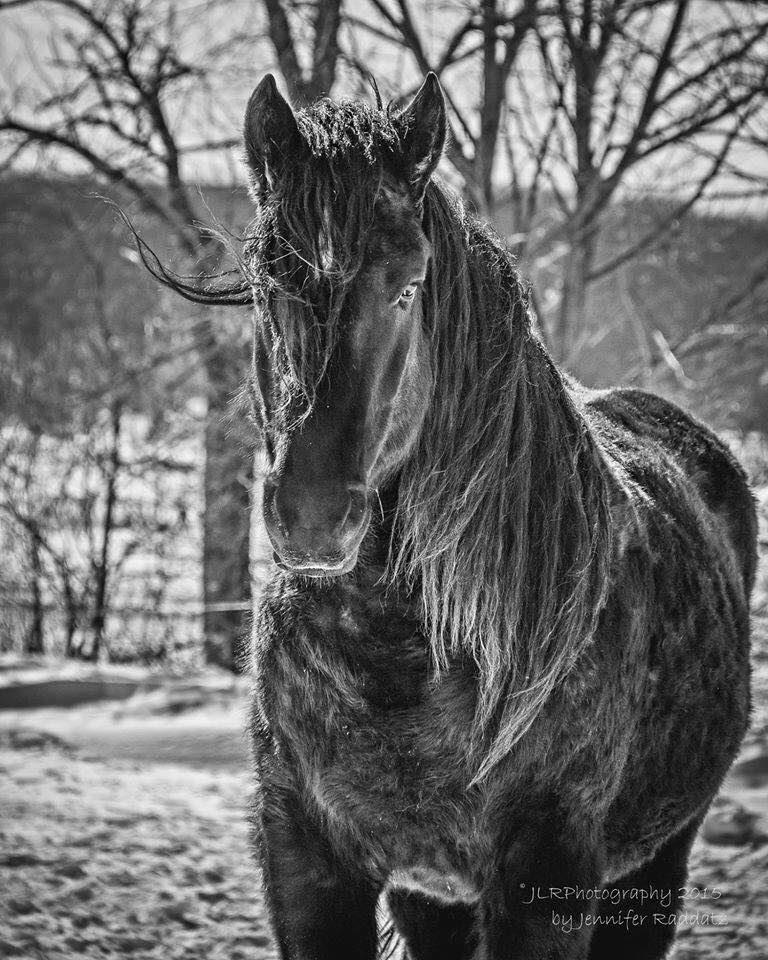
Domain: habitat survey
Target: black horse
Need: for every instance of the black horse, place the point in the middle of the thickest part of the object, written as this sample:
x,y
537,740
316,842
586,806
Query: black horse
x,y
503,667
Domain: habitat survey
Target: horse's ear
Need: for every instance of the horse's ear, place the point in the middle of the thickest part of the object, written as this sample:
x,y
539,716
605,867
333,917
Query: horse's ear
x,y
271,134
423,139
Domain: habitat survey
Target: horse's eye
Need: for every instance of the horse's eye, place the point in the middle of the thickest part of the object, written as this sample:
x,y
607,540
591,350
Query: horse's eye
x,y
406,297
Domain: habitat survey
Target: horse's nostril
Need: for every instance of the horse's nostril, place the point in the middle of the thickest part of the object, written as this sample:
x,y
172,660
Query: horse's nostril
x,y
271,506
269,490
357,504
358,501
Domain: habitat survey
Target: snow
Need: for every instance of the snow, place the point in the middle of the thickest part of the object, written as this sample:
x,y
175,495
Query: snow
x,y
146,859
123,822
111,859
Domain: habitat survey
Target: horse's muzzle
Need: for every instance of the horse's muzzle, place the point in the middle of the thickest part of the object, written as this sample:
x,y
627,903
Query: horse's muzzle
x,y
315,531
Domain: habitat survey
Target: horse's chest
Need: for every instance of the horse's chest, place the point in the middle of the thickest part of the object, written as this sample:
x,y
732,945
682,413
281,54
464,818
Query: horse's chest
x,y
366,716
379,747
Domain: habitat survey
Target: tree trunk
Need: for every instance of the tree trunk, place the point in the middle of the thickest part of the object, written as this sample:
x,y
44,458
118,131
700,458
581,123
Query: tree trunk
x,y
98,620
34,639
70,606
226,525
571,321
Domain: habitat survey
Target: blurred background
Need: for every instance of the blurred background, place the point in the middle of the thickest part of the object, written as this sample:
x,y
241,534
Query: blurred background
x,y
619,146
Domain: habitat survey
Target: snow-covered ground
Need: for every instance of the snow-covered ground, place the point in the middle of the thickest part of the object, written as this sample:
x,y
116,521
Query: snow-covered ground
x,y
117,859
123,831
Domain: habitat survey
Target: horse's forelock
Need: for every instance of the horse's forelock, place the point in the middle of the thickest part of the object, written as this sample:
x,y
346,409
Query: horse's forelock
x,y
309,238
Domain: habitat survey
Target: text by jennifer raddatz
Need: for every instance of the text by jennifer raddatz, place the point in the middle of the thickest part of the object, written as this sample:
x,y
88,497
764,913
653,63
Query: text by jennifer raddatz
x,y
630,919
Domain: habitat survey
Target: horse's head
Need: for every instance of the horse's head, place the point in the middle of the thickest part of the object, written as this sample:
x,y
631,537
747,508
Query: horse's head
x,y
342,374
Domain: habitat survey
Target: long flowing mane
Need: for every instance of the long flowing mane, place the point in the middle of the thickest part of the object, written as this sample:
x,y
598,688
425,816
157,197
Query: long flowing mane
x,y
503,515
502,520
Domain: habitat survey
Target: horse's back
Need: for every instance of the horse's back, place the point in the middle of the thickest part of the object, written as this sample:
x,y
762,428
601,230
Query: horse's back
x,y
666,436
677,618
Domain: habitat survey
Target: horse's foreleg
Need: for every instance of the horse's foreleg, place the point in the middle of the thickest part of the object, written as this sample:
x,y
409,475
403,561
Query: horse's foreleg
x,y
530,909
320,909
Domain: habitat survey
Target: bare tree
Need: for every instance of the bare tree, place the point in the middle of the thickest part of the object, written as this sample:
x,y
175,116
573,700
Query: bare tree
x,y
82,466
718,365
27,515
486,33
314,26
34,642
120,77
123,89
640,95
581,103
